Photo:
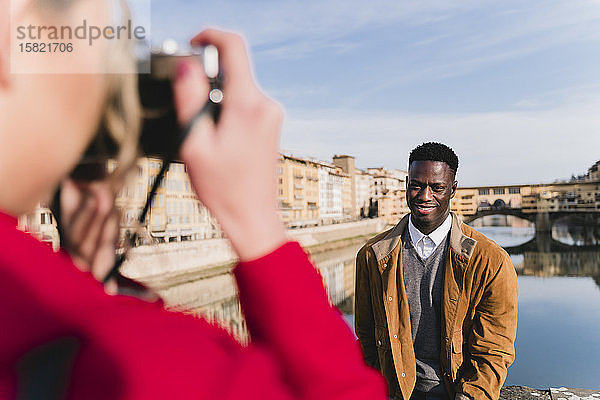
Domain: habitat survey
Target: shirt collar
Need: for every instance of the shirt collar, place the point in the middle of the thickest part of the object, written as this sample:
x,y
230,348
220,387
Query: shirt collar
x,y
438,235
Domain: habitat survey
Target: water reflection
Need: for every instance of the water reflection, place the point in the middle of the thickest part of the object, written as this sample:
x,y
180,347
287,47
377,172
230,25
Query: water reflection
x,y
559,305
214,295
577,231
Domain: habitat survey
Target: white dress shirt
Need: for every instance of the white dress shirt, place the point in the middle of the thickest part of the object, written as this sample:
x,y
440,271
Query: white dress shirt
x,y
426,244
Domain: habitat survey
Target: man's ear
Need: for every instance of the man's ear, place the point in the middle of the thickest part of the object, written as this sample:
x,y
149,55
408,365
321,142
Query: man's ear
x,y
454,187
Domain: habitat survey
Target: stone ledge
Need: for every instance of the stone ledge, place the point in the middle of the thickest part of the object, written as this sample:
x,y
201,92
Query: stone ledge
x,y
526,393
523,393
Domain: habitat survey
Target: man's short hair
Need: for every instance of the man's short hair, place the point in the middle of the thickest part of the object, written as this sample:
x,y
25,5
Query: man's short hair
x,y
433,151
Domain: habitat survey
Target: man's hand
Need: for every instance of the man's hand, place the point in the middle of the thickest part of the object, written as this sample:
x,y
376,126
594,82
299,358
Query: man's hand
x,y
232,165
90,224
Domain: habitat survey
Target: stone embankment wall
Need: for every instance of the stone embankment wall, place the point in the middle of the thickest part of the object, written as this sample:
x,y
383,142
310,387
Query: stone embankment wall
x,y
168,260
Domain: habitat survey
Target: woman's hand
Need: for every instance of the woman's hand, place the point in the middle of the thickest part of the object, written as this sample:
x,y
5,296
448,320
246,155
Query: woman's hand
x,y
232,165
90,224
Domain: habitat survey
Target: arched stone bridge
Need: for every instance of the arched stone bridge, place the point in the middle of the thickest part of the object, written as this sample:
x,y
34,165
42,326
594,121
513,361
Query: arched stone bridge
x,y
542,204
543,220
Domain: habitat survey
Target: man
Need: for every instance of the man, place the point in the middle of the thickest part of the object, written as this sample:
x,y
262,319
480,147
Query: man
x,y
436,301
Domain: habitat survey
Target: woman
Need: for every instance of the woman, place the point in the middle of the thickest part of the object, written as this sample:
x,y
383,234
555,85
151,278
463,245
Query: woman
x,y
62,336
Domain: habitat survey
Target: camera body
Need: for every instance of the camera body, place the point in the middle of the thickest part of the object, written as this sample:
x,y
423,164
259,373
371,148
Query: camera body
x,y
160,135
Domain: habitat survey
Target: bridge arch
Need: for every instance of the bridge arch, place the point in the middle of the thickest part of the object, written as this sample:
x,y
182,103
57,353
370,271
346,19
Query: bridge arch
x,y
544,221
499,204
482,212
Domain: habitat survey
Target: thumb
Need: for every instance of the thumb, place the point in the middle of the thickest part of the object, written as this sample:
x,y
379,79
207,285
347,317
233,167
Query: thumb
x,y
190,90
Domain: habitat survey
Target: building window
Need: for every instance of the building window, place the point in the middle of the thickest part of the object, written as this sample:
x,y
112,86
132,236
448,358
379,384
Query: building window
x,y
45,218
513,190
483,192
499,191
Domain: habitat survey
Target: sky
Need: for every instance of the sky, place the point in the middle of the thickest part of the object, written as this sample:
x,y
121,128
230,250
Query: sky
x,y
512,86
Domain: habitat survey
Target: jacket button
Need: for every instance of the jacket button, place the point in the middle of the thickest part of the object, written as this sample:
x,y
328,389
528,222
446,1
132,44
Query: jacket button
x,y
390,298
403,374
385,265
379,343
395,336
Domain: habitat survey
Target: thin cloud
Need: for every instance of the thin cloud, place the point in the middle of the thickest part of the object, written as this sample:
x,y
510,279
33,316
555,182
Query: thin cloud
x,y
274,22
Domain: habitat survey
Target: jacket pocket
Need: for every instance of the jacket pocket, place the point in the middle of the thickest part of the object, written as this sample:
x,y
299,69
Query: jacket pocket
x,y
386,360
382,337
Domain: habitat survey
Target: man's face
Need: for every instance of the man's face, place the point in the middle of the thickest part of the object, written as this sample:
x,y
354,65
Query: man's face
x,y
429,187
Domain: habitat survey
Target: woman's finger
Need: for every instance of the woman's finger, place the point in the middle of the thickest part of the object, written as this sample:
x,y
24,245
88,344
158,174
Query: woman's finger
x,y
104,257
233,58
190,90
78,223
70,201
103,207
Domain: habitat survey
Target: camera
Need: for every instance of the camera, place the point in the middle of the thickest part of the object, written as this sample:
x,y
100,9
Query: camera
x,y
161,135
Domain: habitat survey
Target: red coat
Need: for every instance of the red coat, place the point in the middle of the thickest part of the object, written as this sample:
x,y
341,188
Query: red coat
x,y
60,331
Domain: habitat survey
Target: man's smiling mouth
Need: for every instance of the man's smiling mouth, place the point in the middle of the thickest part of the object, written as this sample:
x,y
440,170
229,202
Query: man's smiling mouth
x,y
425,208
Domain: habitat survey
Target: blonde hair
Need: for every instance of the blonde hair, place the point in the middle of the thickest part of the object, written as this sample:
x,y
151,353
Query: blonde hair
x,y
123,112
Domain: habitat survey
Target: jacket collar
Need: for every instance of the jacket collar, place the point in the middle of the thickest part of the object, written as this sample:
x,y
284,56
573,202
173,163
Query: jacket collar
x,y
460,244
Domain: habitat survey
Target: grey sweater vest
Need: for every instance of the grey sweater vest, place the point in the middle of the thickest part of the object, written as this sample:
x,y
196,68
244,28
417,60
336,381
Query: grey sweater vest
x,y
423,283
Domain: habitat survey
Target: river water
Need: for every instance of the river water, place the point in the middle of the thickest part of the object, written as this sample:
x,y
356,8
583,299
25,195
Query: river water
x,y
558,330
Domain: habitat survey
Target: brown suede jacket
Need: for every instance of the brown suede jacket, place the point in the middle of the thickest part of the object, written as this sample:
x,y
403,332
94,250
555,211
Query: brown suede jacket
x,y
479,313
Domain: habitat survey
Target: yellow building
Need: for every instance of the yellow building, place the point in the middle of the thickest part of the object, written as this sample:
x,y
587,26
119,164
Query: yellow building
x,y
391,206
298,191
594,172
187,218
132,197
580,196
469,200
464,202
331,179
350,202
175,213
348,198
573,196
